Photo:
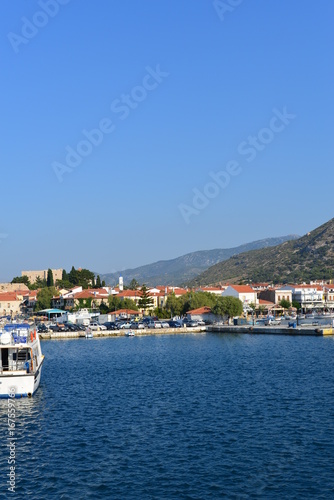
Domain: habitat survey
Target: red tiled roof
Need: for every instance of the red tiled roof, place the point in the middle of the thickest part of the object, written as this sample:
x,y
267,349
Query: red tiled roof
x,y
200,310
129,293
9,296
242,288
124,311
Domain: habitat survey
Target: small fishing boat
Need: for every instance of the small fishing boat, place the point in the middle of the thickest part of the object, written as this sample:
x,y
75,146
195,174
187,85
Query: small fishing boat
x,y
89,333
130,333
21,361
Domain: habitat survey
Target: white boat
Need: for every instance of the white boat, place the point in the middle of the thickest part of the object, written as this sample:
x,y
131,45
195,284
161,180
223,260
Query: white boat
x,y
21,361
130,333
89,333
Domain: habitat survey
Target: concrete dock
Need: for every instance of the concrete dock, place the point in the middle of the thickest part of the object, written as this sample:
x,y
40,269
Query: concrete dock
x,y
120,333
273,330
309,331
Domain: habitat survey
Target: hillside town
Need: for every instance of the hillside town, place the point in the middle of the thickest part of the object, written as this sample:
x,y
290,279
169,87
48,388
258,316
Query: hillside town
x,y
256,298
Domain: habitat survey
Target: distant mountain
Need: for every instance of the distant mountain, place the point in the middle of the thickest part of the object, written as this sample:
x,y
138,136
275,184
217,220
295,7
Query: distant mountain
x,y
182,269
309,257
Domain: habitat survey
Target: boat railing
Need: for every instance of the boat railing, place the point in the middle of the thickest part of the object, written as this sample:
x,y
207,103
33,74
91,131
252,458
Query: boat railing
x,y
17,366
17,337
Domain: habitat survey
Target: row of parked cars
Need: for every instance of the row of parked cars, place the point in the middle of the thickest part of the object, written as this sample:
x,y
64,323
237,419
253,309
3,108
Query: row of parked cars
x,y
147,322
66,327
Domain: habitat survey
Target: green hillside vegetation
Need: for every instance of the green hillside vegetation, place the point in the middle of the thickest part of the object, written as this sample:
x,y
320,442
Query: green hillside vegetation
x,y
184,268
307,258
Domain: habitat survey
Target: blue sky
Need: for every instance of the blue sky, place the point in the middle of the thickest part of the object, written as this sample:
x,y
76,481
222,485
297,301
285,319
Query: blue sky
x,y
218,78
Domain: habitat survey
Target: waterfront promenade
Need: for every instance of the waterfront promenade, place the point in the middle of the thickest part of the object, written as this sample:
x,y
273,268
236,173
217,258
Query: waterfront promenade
x,y
308,331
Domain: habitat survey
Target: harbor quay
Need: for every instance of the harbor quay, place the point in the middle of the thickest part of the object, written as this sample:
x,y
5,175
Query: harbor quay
x,y
121,333
308,331
305,330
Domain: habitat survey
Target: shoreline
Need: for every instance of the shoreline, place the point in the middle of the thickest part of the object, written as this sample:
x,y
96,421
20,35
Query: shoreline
x,y
120,333
251,330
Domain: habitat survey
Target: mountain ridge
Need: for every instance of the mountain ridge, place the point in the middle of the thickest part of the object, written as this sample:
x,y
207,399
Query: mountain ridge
x,y
309,257
186,267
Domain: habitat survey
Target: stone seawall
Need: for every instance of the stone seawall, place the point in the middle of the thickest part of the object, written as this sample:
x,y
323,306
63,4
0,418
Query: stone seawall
x,y
272,330
120,333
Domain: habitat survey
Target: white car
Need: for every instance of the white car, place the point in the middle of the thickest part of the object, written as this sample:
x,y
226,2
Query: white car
x,y
95,327
164,324
124,325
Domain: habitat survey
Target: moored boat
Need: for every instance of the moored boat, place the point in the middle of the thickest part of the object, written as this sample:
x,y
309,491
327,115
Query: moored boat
x,y
21,361
130,333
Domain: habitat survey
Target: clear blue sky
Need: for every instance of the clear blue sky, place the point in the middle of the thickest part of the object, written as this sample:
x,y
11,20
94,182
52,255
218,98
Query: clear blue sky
x,y
120,207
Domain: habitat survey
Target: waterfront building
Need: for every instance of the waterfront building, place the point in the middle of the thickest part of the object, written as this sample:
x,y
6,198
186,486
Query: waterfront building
x,y
308,296
243,292
201,314
276,294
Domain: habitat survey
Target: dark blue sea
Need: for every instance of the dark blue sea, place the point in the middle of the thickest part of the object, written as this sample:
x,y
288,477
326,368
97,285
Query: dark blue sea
x,y
195,416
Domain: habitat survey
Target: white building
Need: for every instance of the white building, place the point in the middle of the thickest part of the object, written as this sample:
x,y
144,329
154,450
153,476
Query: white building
x,y
243,292
308,296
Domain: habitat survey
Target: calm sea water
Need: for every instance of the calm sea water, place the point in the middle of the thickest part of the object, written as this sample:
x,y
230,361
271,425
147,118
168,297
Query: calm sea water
x,y
177,417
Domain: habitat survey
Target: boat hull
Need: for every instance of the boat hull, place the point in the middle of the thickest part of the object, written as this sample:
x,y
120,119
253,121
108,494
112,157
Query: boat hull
x,y
21,384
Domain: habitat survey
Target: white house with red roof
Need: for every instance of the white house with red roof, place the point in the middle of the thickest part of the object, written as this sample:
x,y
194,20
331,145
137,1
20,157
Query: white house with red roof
x,y
201,313
243,292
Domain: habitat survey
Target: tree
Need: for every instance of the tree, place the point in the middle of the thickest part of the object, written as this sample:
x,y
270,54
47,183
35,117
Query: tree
x,y
103,283
64,276
44,297
116,303
296,305
39,283
233,306
98,282
103,308
82,277
145,302
21,279
228,306
49,279
286,304
134,285
160,313
174,305
252,306
73,276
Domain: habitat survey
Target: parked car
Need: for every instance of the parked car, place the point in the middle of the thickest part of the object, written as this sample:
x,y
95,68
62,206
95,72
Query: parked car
x,y
208,322
125,325
57,328
191,323
70,327
111,325
95,327
41,328
174,324
164,324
